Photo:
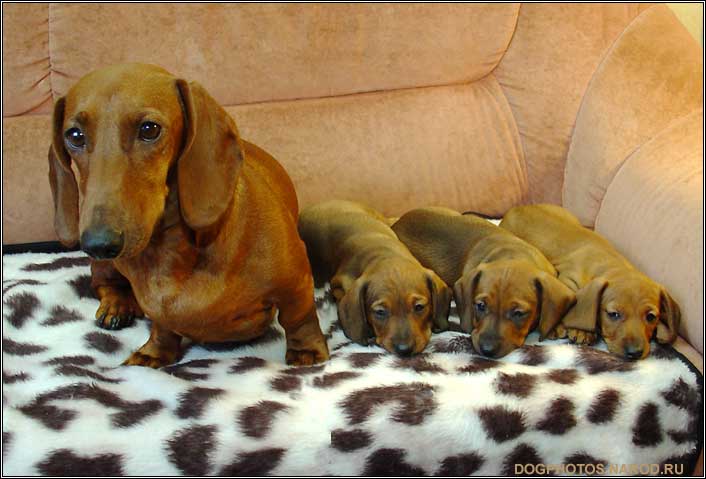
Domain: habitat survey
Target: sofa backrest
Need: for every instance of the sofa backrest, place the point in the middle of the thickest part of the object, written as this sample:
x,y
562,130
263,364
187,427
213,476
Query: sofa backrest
x,y
398,105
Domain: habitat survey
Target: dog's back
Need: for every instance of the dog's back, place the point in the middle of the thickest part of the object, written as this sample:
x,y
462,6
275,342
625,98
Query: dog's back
x,y
443,240
561,237
338,230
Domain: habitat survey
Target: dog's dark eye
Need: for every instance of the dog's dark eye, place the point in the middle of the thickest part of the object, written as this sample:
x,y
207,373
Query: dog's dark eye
x,y
380,313
651,317
614,315
419,307
518,314
149,131
481,306
75,138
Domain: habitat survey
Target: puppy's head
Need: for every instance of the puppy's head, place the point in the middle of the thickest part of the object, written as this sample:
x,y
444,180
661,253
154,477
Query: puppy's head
x,y
628,311
124,128
398,303
499,303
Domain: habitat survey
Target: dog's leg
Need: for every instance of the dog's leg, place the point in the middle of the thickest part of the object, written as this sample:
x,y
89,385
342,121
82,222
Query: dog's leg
x,y
118,307
306,344
161,349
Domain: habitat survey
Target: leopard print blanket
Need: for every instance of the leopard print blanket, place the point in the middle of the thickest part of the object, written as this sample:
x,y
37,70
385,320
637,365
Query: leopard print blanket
x,y
70,408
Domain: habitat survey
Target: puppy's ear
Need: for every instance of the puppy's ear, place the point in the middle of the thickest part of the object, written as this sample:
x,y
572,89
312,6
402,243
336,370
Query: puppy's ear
x,y
669,318
62,181
464,292
352,309
210,160
440,301
585,315
554,299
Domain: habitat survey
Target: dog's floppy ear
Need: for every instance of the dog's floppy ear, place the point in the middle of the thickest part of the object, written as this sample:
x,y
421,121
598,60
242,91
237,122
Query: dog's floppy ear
x,y
210,160
352,308
669,318
62,181
464,292
585,315
440,301
554,300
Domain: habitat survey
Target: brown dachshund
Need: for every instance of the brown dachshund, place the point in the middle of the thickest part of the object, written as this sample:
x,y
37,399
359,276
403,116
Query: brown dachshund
x,y
184,220
503,287
613,298
381,289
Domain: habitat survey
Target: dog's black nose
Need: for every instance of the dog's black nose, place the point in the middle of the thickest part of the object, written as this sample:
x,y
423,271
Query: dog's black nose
x,y
102,242
489,348
403,349
633,353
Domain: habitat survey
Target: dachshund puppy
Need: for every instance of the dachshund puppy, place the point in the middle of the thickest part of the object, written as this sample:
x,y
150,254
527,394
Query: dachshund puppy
x,y
381,290
614,299
185,221
503,287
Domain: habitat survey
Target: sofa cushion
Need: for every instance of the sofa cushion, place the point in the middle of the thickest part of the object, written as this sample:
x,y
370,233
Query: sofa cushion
x,y
246,53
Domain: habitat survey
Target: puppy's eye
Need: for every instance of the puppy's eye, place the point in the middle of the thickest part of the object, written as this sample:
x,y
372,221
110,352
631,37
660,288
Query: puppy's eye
x,y
419,307
149,131
614,315
518,314
75,138
380,313
651,317
481,306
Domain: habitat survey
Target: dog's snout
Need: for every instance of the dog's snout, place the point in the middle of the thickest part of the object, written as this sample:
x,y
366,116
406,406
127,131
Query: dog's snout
x,y
102,242
633,352
403,349
489,347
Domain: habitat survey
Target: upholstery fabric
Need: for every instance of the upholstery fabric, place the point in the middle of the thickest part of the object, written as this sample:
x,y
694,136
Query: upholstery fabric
x,y
555,50
25,60
397,150
653,213
247,53
28,211
640,88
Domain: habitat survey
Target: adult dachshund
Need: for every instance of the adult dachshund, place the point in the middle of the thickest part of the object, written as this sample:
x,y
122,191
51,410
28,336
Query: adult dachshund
x,y
503,287
613,298
381,290
185,221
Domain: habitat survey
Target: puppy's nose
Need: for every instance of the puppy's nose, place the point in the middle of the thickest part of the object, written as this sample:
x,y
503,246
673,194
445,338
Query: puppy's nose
x,y
489,348
102,242
403,349
632,352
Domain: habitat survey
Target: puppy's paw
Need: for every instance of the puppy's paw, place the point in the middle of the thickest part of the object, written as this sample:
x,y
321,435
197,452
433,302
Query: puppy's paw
x,y
139,359
578,336
118,308
557,333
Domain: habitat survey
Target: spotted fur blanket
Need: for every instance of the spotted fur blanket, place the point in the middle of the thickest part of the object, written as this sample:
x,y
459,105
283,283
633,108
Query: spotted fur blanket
x,y
237,409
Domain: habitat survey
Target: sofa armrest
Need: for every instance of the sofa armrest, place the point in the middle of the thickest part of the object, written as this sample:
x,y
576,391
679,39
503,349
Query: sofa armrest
x,y
653,213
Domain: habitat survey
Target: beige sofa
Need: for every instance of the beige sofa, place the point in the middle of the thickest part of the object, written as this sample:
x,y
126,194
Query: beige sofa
x,y
478,107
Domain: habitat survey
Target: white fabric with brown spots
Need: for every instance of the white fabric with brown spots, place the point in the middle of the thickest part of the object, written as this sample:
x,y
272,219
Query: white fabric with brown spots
x,y
69,407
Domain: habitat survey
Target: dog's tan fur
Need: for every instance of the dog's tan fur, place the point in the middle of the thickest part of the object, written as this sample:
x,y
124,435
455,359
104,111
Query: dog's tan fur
x,y
487,265
211,248
371,270
605,283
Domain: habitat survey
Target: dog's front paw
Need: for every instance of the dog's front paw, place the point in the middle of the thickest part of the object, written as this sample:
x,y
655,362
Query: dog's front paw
x,y
306,353
305,357
578,336
139,359
557,333
118,308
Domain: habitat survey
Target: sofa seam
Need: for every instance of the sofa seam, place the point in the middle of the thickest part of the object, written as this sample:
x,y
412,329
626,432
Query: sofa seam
x,y
526,194
634,152
594,74
49,52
